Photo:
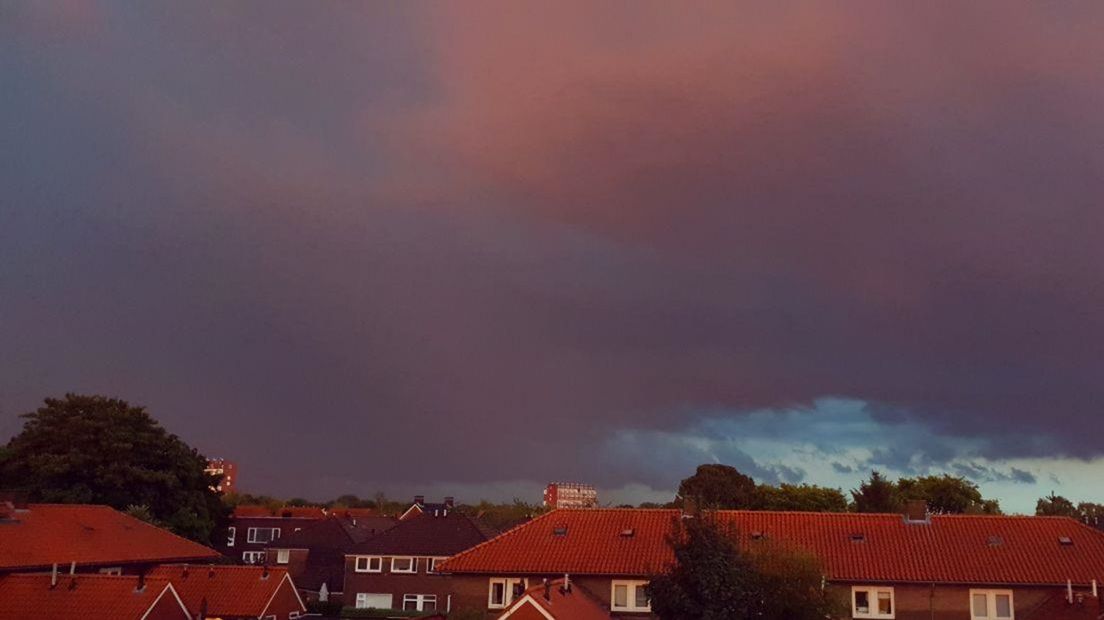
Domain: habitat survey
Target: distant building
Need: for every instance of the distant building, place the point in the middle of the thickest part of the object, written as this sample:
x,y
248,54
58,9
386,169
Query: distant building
x,y
227,471
570,495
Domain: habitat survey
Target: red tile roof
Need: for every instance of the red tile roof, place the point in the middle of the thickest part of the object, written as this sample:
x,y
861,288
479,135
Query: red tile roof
x,y
88,597
228,590
575,604
44,534
285,512
950,549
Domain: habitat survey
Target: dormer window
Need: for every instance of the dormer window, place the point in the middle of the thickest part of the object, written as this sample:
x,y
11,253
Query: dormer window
x,y
404,565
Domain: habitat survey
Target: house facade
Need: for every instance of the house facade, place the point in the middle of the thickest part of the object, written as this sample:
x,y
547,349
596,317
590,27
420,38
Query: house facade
x,y
398,568
315,555
254,528
886,566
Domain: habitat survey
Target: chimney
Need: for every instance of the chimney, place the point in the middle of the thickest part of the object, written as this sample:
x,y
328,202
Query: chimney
x,y
419,499
916,511
450,502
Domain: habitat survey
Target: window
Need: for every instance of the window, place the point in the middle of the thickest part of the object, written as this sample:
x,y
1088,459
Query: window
x,y
419,602
404,565
114,570
630,596
991,605
252,557
431,564
262,534
369,564
504,591
365,600
868,602
282,556
231,533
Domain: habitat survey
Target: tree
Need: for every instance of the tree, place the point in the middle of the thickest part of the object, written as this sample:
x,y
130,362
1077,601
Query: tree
x,y
1055,506
876,495
947,494
803,497
1091,514
98,450
713,578
718,486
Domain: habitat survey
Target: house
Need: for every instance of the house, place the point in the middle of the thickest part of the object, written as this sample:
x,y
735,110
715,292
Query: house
x,y
397,569
253,528
421,507
226,473
233,592
87,538
556,600
570,495
315,555
888,566
88,597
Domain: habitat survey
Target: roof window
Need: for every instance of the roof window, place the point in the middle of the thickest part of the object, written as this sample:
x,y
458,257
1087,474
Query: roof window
x,y
1065,541
628,532
559,530
995,541
858,537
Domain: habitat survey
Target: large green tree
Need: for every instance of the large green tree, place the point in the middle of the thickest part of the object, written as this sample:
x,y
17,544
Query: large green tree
x,y
719,487
876,495
1055,506
801,497
947,494
98,450
713,578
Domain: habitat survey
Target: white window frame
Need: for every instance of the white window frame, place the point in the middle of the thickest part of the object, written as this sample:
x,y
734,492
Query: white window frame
x,y
368,561
508,584
362,600
283,556
872,597
253,557
991,605
632,585
419,601
413,565
251,534
231,534
431,564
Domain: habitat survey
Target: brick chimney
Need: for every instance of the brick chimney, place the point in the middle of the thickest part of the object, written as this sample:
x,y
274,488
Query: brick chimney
x,y
916,511
419,499
450,501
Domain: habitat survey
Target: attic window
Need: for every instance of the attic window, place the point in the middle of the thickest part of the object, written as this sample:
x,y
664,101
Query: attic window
x,y
758,535
1065,541
560,530
858,537
628,532
995,541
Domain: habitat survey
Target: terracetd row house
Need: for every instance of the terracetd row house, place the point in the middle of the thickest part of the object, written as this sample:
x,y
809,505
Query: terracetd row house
x,y
398,568
887,566
315,555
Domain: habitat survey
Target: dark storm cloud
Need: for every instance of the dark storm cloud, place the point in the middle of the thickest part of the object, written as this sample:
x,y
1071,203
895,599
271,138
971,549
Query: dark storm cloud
x,y
417,245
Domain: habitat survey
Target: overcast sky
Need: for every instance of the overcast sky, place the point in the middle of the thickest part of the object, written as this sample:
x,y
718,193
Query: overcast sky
x,y
469,248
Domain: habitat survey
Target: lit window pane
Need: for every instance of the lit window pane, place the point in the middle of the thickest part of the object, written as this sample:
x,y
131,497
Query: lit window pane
x,y
1004,606
620,596
885,603
981,606
862,601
